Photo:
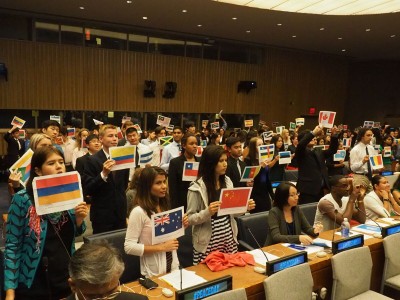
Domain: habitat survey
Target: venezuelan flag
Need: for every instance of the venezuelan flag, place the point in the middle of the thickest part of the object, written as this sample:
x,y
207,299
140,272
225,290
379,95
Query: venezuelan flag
x,y
55,189
123,155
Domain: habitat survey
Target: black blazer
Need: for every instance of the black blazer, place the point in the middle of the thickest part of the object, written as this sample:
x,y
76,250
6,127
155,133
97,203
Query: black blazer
x,y
13,152
313,173
80,163
178,189
108,210
233,173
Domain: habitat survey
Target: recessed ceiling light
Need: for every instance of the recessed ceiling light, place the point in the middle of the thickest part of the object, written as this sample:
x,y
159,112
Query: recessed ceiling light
x,y
144,18
184,10
293,36
199,25
322,28
393,35
128,1
81,7
340,38
279,24
343,50
234,18
368,29
247,31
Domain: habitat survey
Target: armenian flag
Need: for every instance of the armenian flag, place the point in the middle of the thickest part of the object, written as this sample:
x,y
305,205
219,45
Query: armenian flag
x,y
18,122
23,165
265,152
376,161
249,173
124,157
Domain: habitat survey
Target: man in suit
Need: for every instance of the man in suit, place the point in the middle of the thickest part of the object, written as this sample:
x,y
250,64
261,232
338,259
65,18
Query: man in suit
x,y
313,173
87,282
235,166
15,146
107,188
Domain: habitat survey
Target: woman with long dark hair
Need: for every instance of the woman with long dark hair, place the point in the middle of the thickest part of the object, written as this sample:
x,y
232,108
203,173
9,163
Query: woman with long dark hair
x,y
38,248
210,232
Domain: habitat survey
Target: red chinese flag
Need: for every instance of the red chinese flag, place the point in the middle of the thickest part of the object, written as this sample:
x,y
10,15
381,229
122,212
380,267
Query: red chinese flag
x,y
235,197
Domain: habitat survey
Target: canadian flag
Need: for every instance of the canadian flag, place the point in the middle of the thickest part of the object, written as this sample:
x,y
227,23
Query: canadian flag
x,y
326,118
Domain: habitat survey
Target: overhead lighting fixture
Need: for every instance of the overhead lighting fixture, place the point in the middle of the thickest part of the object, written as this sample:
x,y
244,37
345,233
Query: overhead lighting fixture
x,y
322,28
324,7
393,35
81,7
184,10
343,50
279,24
234,18
144,18
247,31
368,29
340,38
293,36
128,1
199,25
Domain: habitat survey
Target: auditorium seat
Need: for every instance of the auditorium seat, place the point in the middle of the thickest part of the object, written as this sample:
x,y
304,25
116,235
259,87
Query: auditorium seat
x,y
117,239
391,271
291,283
185,250
309,210
351,271
237,294
291,175
257,223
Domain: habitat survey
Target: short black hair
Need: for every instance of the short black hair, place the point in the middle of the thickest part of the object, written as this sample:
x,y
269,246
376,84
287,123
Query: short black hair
x,y
46,124
334,180
159,129
230,141
282,194
91,137
130,130
189,124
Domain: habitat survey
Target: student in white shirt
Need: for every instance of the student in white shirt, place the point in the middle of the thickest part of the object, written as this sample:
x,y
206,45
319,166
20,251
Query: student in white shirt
x,y
172,150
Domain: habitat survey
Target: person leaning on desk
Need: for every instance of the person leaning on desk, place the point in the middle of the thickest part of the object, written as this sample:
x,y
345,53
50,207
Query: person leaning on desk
x,y
286,221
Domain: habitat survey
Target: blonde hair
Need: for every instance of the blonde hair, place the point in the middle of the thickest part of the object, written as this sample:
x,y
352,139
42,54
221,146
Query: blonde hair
x,y
36,138
104,128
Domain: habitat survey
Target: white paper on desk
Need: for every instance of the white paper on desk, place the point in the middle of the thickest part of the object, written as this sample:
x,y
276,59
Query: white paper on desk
x,y
322,242
260,258
370,222
390,220
367,229
310,249
366,236
189,279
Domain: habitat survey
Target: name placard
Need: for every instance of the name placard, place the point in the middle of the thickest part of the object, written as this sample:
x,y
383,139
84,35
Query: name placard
x,y
354,241
286,262
205,290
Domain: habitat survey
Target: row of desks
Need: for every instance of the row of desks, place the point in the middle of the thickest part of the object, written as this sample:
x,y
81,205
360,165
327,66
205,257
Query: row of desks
x,y
245,277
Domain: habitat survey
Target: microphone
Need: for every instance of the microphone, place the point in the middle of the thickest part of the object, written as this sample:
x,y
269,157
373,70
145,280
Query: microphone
x,y
259,269
375,235
180,274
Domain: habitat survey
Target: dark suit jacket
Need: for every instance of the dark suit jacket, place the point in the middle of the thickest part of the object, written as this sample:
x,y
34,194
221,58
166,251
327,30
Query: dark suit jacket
x,y
313,174
178,189
13,152
80,163
108,210
233,173
122,296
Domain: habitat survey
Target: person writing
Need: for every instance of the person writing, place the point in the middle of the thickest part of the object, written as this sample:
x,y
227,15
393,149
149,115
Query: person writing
x,y
286,222
151,198
38,248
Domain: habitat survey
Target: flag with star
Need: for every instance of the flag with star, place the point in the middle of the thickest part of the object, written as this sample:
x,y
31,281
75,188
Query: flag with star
x,y
234,201
266,152
190,170
249,173
167,225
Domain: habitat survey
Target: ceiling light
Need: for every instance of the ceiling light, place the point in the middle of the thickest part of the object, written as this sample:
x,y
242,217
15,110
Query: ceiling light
x,y
393,35
324,7
368,29
340,38
247,31
184,10
144,18
81,7
279,24
234,18
322,28
199,25
293,36
128,1
343,50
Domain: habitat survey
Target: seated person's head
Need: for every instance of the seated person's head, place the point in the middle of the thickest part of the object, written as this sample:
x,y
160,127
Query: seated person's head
x,y
94,270
51,128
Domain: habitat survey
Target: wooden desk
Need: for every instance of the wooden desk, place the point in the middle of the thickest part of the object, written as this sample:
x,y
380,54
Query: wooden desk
x,y
245,277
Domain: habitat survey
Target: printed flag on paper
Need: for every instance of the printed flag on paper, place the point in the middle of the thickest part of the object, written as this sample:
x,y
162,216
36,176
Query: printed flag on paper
x,y
84,145
368,124
347,142
321,147
214,125
55,118
376,161
58,192
59,140
167,225
376,125
387,151
21,134
125,119
396,141
266,152
190,171
119,133
163,121
234,201
166,140
124,157
23,165
145,158
248,123
139,130
326,119
292,126
339,155
18,122
199,152
285,157
170,128
203,143
299,121
267,136
249,173
71,132
279,129
204,123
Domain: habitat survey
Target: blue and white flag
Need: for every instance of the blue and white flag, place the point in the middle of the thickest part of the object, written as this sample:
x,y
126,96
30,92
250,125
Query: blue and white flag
x,y
167,225
145,158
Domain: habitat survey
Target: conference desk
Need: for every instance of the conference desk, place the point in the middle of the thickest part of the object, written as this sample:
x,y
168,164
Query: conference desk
x,y
245,277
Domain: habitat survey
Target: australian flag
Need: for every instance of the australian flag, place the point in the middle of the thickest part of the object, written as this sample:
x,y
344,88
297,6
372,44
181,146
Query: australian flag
x,y
168,223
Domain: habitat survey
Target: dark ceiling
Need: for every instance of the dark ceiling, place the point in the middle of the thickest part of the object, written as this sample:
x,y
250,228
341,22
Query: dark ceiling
x,y
382,41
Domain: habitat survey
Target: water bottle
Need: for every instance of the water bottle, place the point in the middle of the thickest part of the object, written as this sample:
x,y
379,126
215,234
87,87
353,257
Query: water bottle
x,y
345,228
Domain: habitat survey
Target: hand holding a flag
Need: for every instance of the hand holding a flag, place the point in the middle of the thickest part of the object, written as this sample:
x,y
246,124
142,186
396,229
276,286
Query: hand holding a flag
x,y
81,211
107,166
251,205
168,245
317,131
214,207
15,178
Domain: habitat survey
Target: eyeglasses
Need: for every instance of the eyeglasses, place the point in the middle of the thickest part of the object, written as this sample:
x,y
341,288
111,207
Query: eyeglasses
x,y
294,195
110,296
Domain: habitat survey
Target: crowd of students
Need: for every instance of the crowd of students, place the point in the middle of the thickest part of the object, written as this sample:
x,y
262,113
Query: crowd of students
x,y
38,248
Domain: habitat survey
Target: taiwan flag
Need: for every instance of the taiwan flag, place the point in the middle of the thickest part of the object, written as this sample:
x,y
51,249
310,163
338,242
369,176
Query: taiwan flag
x,y
326,118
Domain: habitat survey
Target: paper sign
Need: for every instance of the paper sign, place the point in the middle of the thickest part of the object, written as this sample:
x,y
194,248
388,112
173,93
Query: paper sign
x,y
110,114
23,165
125,119
204,123
368,124
347,142
340,155
199,152
170,128
292,126
376,161
299,121
124,157
119,133
326,119
166,140
248,123
234,201
55,118
249,173
145,157
84,145
18,122
387,151
139,130
267,136
21,134
190,170
167,225
70,132
279,129
321,147
203,143
163,121
396,141
55,193
284,157
376,125
97,122
59,140
265,153
214,125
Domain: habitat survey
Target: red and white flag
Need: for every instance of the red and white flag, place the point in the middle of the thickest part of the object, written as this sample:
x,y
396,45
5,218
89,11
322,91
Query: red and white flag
x,y
326,118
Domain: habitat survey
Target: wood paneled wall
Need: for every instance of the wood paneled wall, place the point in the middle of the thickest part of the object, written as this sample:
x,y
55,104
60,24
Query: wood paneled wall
x,y
50,76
